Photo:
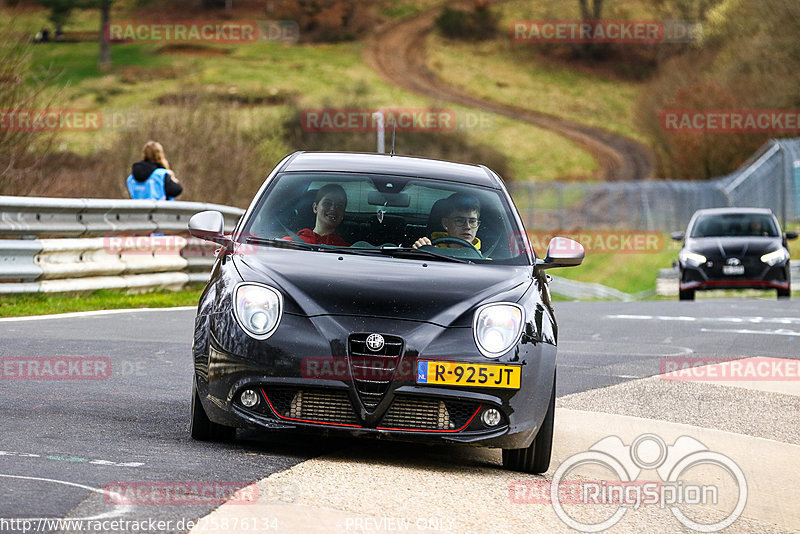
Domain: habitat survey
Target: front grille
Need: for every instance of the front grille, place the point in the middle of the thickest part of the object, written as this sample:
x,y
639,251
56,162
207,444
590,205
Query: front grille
x,y
321,406
373,371
414,413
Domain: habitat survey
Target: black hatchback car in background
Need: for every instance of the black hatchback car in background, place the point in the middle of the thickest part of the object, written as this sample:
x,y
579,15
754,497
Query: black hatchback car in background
x,y
369,330
734,248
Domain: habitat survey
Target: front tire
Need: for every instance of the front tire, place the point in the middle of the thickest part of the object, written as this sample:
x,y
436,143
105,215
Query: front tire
x,y
535,458
687,294
202,428
785,293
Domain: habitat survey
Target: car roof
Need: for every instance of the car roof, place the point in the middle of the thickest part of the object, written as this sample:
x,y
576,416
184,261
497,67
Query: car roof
x,y
390,164
727,211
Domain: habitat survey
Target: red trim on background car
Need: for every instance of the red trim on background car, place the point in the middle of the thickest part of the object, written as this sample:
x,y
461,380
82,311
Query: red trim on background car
x,y
742,283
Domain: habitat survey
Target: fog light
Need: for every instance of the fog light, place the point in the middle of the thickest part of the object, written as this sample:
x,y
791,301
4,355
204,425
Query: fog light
x,y
249,398
491,417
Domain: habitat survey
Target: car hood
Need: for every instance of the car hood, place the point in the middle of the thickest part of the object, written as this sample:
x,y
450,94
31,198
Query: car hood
x,y
325,283
737,247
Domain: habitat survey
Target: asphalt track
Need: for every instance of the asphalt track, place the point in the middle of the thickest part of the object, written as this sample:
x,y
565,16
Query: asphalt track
x,y
64,441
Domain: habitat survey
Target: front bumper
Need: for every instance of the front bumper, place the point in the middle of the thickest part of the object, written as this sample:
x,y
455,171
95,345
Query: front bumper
x,y
290,399
756,275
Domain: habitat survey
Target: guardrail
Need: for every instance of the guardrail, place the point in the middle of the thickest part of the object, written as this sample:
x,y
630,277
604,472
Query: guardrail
x,y
71,244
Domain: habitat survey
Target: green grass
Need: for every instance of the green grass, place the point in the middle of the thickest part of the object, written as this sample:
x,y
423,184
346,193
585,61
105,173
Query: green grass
x,y
517,74
630,273
399,9
489,70
105,299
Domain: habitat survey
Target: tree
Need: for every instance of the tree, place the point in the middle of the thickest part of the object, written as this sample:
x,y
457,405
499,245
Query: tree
x,y
105,44
60,11
592,10
23,150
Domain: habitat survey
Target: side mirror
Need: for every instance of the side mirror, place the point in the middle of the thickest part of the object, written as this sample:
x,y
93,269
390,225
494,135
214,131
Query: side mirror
x,y
209,225
677,236
562,252
791,235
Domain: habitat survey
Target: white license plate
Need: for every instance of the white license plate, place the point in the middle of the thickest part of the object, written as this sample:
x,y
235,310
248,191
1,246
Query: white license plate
x,y
733,269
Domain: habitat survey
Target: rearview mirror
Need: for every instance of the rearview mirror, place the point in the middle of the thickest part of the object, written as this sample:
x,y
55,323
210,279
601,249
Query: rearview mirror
x,y
677,236
209,225
791,235
562,252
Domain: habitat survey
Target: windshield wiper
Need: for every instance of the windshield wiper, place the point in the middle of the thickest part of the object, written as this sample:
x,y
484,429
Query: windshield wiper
x,y
287,243
418,252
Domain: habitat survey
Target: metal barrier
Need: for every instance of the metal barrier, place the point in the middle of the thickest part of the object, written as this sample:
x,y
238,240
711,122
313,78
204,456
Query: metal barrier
x,y
767,180
70,244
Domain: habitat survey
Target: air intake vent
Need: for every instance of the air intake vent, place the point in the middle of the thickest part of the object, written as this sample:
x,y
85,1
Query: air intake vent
x,y
318,406
414,413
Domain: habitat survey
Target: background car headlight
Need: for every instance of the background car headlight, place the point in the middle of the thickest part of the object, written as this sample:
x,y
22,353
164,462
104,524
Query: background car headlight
x,y
774,257
497,328
691,258
257,309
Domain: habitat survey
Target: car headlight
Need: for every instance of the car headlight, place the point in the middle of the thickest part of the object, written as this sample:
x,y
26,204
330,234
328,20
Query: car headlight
x,y
691,258
257,309
497,328
777,256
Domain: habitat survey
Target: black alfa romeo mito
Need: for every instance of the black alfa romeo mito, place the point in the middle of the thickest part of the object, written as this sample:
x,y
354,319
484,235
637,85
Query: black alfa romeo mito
x,y
383,296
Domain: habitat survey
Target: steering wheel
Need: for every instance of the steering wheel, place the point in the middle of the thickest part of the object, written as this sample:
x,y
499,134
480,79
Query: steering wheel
x,y
457,241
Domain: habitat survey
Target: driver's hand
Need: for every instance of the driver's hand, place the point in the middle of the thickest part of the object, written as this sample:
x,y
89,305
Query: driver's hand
x,y
421,242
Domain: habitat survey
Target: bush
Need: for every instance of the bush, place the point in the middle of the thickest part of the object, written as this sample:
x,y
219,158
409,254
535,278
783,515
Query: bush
x,y
479,23
22,153
220,152
747,60
326,20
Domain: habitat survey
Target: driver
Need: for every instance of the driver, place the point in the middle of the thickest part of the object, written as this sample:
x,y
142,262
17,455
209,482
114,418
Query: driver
x,y
462,216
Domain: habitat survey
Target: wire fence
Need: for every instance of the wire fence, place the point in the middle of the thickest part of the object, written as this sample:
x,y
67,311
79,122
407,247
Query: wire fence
x,y
770,179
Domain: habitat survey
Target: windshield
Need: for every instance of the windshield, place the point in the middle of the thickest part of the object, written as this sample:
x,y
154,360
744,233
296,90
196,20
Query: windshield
x,y
735,225
387,215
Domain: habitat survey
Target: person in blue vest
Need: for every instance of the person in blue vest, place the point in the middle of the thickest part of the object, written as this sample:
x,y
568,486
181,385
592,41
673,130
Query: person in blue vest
x,y
151,178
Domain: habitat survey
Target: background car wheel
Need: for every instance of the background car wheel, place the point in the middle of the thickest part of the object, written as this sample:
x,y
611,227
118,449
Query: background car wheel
x,y
202,428
686,295
536,457
785,293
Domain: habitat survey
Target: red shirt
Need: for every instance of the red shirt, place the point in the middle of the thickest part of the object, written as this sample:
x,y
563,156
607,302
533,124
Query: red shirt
x,y
308,235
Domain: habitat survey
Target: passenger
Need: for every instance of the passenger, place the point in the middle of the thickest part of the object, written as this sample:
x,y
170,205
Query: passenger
x,y
329,207
462,216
